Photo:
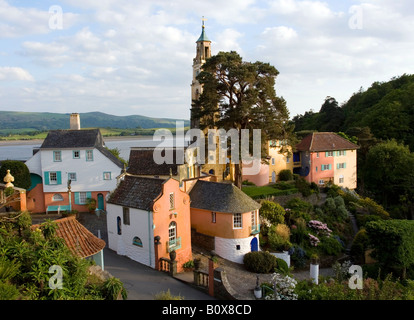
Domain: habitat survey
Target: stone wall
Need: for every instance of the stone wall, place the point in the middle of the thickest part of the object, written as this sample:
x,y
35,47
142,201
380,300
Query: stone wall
x,y
202,240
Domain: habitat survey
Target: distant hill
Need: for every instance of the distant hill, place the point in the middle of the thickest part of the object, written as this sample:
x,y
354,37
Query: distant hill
x,y
386,108
50,121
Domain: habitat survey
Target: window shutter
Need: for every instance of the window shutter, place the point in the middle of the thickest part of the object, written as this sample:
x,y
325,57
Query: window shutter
x,y
59,177
337,165
76,197
47,178
329,166
326,154
344,165
88,195
344,152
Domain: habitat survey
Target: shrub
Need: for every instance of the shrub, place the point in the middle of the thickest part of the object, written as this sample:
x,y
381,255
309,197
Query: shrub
x,y
283,231
298,256
272,211
260,262
303,186
282,266
330,246
18,170
359,244
167,295
285,175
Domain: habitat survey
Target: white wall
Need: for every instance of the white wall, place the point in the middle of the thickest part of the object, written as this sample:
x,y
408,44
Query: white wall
x,y
89,174
226,248
140,225
34,164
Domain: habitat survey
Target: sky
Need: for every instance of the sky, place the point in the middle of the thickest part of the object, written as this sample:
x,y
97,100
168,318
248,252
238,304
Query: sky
x,y
135,57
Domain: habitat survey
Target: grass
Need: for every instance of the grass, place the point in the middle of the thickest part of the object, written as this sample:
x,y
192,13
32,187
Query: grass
x,y
262,192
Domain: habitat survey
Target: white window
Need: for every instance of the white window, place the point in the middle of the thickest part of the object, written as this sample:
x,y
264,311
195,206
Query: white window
x,y
57,197
317,154
125,212
172,234
237,220
273,161
321,181
287,159
341,179
57,156
82,197
72,176
341,153
89,155
254,220
342,165
76,154
107,176
53,177
329,154
213,217
171,200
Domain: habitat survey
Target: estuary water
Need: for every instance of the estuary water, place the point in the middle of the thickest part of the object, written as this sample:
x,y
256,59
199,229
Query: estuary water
x,y
23,150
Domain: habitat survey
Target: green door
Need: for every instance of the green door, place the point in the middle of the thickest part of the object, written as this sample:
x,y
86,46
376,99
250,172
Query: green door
x,y
101,204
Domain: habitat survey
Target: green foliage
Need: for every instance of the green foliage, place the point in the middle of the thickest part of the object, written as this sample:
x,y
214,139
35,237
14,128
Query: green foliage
x,y
282,267
285,175
303,186
386,289
167,295
330,246
18,170
389,172
392,241
8,291
26,256
113,289
359,244
260,262
272,211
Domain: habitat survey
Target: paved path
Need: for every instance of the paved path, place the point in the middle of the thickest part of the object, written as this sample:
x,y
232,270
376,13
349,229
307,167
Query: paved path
x,y
143,282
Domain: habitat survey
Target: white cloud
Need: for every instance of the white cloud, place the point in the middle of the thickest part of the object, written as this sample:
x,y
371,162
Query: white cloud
x,y
14,73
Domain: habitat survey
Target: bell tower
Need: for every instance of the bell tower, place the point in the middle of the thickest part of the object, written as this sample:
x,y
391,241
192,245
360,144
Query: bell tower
x,y
203,52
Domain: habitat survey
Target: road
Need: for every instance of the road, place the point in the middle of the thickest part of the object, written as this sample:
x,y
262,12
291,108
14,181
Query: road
x,y
143,282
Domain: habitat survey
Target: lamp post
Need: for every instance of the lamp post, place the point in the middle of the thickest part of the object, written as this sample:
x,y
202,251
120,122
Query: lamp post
x,y
70,195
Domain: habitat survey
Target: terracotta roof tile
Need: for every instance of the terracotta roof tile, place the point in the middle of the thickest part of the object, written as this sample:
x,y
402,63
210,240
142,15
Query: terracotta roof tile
x,y
77,238
325,141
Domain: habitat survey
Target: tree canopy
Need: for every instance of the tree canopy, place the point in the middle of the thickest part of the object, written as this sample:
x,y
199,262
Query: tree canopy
x,y
241,95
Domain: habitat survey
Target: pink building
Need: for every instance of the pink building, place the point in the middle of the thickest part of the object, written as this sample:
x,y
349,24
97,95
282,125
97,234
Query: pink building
x,y
327,157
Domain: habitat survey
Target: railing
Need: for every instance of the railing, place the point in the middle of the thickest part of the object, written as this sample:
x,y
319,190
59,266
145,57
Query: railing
x,y
174,244
168,266
255,229
201,278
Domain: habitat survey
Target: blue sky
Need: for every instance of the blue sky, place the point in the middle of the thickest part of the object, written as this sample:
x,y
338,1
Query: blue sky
x,y
134,57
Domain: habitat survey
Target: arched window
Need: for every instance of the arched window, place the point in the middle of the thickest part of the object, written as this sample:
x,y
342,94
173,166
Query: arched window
x,y
57,197
172,234
118,225
137,242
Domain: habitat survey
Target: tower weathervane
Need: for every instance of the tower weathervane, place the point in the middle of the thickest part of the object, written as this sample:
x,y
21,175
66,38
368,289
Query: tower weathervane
x,y
203,19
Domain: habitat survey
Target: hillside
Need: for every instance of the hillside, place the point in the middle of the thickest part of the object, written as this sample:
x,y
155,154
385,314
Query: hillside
x,y
387,108
40,121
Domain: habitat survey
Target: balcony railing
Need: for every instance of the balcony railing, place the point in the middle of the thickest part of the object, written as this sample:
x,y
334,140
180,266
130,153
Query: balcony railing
x,y
255,229
174,244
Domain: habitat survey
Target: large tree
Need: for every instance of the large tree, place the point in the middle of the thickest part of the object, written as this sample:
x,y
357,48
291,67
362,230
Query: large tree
x,y
241,95
389,175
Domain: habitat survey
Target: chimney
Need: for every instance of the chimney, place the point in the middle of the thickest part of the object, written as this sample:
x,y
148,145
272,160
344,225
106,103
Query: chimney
x,y
74,121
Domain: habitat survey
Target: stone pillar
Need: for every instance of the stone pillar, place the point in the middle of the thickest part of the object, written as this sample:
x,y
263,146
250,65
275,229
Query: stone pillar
x,y
314,272
23,203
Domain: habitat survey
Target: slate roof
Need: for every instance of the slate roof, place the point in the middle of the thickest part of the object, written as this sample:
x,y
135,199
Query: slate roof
x,y
324,141
137,192
221,197
72,139
141,162
78,239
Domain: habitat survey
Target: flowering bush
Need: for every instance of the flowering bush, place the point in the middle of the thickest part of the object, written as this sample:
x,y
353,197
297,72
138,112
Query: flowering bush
x,y
285,288
314,241
319,227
